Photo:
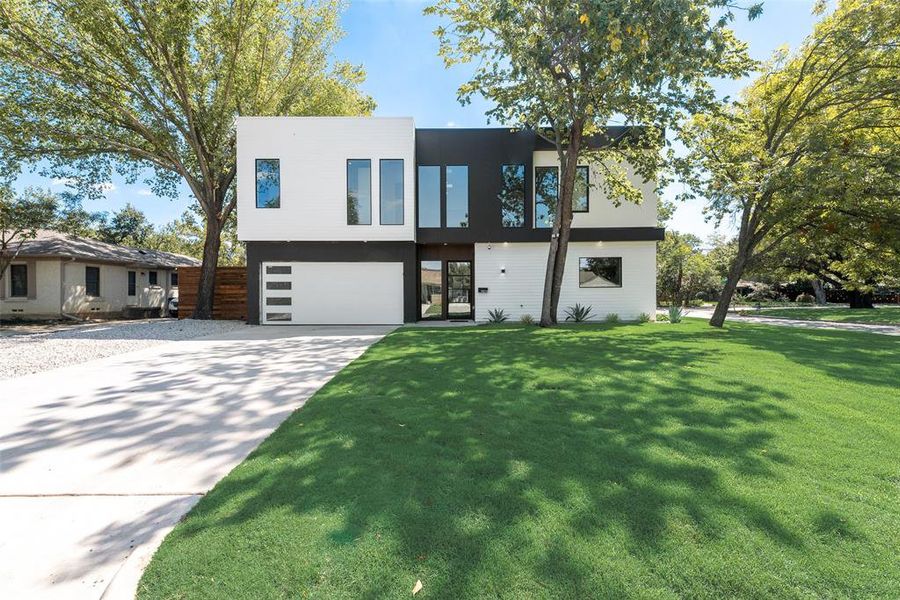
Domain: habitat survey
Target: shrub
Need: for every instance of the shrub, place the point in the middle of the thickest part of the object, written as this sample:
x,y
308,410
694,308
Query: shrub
x,y
662,318
527,320
675,313
643,318
497,315
612,318
805,298
578,313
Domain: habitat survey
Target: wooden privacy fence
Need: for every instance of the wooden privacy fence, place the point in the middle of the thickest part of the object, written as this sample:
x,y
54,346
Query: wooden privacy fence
x,y
230,299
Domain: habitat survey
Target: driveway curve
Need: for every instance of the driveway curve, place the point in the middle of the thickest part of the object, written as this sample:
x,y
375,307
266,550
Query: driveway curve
x,y
99,460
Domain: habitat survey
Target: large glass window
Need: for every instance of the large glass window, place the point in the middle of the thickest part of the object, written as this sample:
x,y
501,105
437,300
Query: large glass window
x,y
431,287
600,272
268,183
459,289
581,195
429,197
92,281
359,192
457,196
18,281
512,195
546,192
391,184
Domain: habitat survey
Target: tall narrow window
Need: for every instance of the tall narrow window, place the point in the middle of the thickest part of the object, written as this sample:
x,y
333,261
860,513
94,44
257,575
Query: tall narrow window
x,y
359,192
581,194
92,281
429,196
431,289
268,183
18,281
132,283
512,195
154,278
391,188
174,279
546,193
457,196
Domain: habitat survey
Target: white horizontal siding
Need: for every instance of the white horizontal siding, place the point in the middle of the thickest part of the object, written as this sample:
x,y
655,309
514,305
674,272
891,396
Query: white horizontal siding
x,y
602,212
313,154
520,289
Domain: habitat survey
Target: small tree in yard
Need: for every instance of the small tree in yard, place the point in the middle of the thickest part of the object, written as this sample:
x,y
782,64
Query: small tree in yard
x,y
813,138
20,219
138,86
565,69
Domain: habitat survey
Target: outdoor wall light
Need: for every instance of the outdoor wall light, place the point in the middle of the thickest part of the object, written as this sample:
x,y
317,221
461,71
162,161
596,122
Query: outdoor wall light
x,y
503,270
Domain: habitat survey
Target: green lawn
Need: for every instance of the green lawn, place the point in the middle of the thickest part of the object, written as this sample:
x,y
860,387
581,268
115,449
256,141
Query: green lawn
x,y
876,316
598,461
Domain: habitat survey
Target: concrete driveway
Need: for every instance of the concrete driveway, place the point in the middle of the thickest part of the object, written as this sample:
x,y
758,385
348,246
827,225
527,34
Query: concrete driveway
x,y
98,461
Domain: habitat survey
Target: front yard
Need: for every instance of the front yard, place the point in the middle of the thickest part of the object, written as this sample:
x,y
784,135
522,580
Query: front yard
x,y
883,315
650,460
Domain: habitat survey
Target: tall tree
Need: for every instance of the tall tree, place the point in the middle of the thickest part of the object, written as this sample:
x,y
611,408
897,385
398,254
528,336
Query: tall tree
x,y
809,133
90,87
683,271
565,69
21,216
128,226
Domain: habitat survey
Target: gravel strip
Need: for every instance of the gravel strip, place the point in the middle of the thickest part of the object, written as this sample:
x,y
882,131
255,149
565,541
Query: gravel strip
x,y
42,351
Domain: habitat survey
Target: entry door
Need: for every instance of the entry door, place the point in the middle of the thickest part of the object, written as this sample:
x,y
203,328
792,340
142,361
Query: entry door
x,y
459,289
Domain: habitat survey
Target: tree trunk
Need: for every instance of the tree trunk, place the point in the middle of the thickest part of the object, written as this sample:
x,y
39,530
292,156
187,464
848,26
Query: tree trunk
x,y
819,292
734,276
207,285
548,317
861,299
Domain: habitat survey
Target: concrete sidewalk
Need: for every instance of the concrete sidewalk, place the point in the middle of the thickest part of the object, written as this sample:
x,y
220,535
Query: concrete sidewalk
x,y
99,460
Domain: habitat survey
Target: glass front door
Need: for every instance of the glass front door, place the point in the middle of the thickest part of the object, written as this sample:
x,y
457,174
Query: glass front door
x,y
459,289
431,289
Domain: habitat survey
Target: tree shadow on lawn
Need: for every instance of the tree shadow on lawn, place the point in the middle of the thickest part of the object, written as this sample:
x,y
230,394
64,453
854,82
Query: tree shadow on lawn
x,y
489,460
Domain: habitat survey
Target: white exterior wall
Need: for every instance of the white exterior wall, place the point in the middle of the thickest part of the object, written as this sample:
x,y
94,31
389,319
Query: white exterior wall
x,y
520,289
46,294
313,154
602,212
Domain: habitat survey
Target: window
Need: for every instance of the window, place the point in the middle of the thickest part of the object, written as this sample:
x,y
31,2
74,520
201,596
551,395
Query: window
x,y
268,183
18,281
132,283
359,192
512,195
391,191
153,277
546,192
600,272
429,197
431,289
457,196
278,270
173,279
581,194
278,285
92,281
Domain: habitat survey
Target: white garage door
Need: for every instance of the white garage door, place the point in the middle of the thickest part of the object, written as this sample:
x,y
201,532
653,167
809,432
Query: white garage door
x,y
331,293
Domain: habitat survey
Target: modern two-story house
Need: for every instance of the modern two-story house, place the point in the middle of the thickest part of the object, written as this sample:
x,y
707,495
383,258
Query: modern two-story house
x,y
372,221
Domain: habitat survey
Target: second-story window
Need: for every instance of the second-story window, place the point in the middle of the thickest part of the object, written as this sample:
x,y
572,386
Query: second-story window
x,y
457,196
512,195
268,183
581,198
359,192
429,196
546,194
391,187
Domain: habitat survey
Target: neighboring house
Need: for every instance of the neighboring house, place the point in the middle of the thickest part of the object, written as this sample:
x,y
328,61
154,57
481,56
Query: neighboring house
x,y
57,274
370,220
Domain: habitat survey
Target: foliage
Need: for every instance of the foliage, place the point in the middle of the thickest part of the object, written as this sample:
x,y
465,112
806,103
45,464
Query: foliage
x,y
683,271
612,318
89,88
675,313
21,216
578,462
814,137
578,313
662,318
527,319
644,318
497,315
565,70
127,227
805,298
883,315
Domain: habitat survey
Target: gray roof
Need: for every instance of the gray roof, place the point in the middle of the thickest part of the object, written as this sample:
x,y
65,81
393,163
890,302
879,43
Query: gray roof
x,y
55,244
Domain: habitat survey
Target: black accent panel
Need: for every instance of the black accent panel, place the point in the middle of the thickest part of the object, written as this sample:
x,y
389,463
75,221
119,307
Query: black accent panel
x,y
260,252
435,235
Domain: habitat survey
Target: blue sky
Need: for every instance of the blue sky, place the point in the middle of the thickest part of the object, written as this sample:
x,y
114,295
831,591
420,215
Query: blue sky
x,y
393,40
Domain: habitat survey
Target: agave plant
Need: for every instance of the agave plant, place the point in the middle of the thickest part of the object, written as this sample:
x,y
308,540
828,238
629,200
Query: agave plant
x,y
579,313
496,315
644,318
675,313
